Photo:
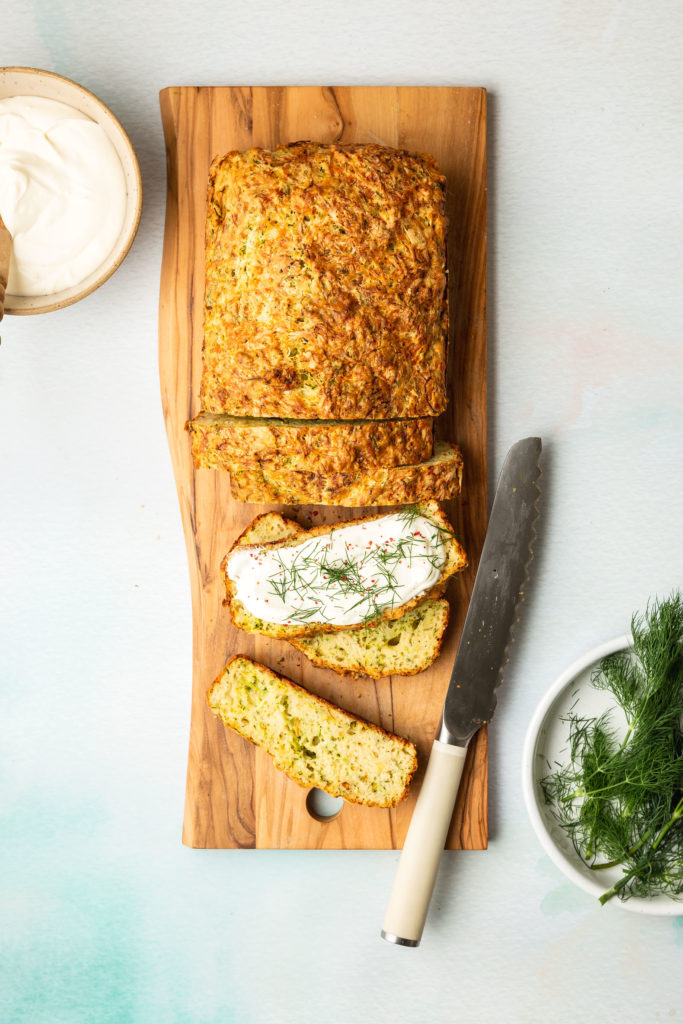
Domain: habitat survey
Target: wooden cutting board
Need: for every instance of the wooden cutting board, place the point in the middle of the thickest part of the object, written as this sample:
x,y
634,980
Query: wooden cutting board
x,y
234,797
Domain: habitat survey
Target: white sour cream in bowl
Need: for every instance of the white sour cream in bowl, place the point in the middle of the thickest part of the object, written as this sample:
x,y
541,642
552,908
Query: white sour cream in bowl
x,y
62,194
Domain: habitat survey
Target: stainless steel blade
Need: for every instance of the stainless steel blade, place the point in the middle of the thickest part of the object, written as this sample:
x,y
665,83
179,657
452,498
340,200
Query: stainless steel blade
x,y
498,587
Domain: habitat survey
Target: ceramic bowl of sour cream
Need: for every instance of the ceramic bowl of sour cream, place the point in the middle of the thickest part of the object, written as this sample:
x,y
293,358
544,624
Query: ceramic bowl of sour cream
x,y
70,189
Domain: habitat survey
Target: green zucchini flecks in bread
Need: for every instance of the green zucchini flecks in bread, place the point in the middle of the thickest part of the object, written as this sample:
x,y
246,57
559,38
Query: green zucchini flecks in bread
x,y
314,742
401,647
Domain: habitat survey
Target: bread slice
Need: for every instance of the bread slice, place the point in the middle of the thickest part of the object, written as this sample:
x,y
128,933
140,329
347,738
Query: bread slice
x,y
269,526
401,647
396,647
320,446
438,478
314,742
455,561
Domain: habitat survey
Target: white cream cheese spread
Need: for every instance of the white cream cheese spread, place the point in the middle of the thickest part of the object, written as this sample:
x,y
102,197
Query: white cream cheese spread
x,y
346,576
62,194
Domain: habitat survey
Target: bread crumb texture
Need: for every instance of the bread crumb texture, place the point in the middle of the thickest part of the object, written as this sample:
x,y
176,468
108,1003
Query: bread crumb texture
x,y
401,647
315,743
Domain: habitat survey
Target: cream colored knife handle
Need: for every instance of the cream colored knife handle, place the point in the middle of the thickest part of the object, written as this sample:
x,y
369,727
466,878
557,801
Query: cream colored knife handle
x,y
423,846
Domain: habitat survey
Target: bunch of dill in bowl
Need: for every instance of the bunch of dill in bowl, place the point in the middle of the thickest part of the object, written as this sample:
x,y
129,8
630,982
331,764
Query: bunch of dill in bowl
x,y
620,798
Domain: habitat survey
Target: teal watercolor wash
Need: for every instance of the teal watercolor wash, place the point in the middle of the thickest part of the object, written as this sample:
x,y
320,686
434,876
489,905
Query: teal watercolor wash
x,y
100,933
54,28
74,958
565,899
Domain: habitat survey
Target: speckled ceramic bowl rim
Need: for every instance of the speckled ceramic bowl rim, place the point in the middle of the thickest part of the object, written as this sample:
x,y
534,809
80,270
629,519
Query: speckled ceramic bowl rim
x,y
27,305
661,906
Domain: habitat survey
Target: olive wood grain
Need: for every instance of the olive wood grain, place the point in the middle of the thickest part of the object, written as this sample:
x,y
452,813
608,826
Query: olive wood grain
x,y
234,796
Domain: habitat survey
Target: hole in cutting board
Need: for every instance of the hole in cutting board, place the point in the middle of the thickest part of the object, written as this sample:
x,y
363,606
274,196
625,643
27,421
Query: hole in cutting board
x,y
322,806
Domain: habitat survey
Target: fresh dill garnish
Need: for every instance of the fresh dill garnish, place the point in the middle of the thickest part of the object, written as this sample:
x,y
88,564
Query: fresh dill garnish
x,y
620,799
315,576
409,513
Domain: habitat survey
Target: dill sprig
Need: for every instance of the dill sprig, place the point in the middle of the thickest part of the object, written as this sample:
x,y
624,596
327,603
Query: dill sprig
x,y
620,798
409,513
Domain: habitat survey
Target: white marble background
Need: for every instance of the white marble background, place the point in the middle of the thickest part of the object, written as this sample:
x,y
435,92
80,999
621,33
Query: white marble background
x,y
106,916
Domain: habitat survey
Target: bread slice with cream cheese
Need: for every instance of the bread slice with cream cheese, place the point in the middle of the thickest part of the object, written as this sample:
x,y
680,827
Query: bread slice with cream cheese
x,y
401,647
454,560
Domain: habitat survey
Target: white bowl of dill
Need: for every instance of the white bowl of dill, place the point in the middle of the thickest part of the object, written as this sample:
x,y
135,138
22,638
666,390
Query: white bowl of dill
x,y
602,769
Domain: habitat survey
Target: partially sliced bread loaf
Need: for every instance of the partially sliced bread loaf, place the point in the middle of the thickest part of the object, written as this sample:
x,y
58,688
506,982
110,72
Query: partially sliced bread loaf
x,y
314,742
445,557
400,647
318,446
396,647
437,478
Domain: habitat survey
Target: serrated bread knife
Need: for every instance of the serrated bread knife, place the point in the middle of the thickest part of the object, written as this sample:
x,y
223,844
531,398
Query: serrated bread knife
x,y
471,697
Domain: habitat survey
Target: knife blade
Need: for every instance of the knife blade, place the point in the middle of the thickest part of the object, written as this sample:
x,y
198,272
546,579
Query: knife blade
x,y
471,696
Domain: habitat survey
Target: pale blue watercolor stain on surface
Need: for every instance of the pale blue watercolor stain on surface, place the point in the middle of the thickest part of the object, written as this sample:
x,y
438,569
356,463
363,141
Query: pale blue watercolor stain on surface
x,y
98,938
562,900
54,28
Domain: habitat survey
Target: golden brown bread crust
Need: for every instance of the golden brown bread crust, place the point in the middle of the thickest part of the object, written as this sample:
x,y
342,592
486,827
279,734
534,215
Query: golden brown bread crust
x,y
439,478
325,284
269,526
335,789
456,561
326,446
